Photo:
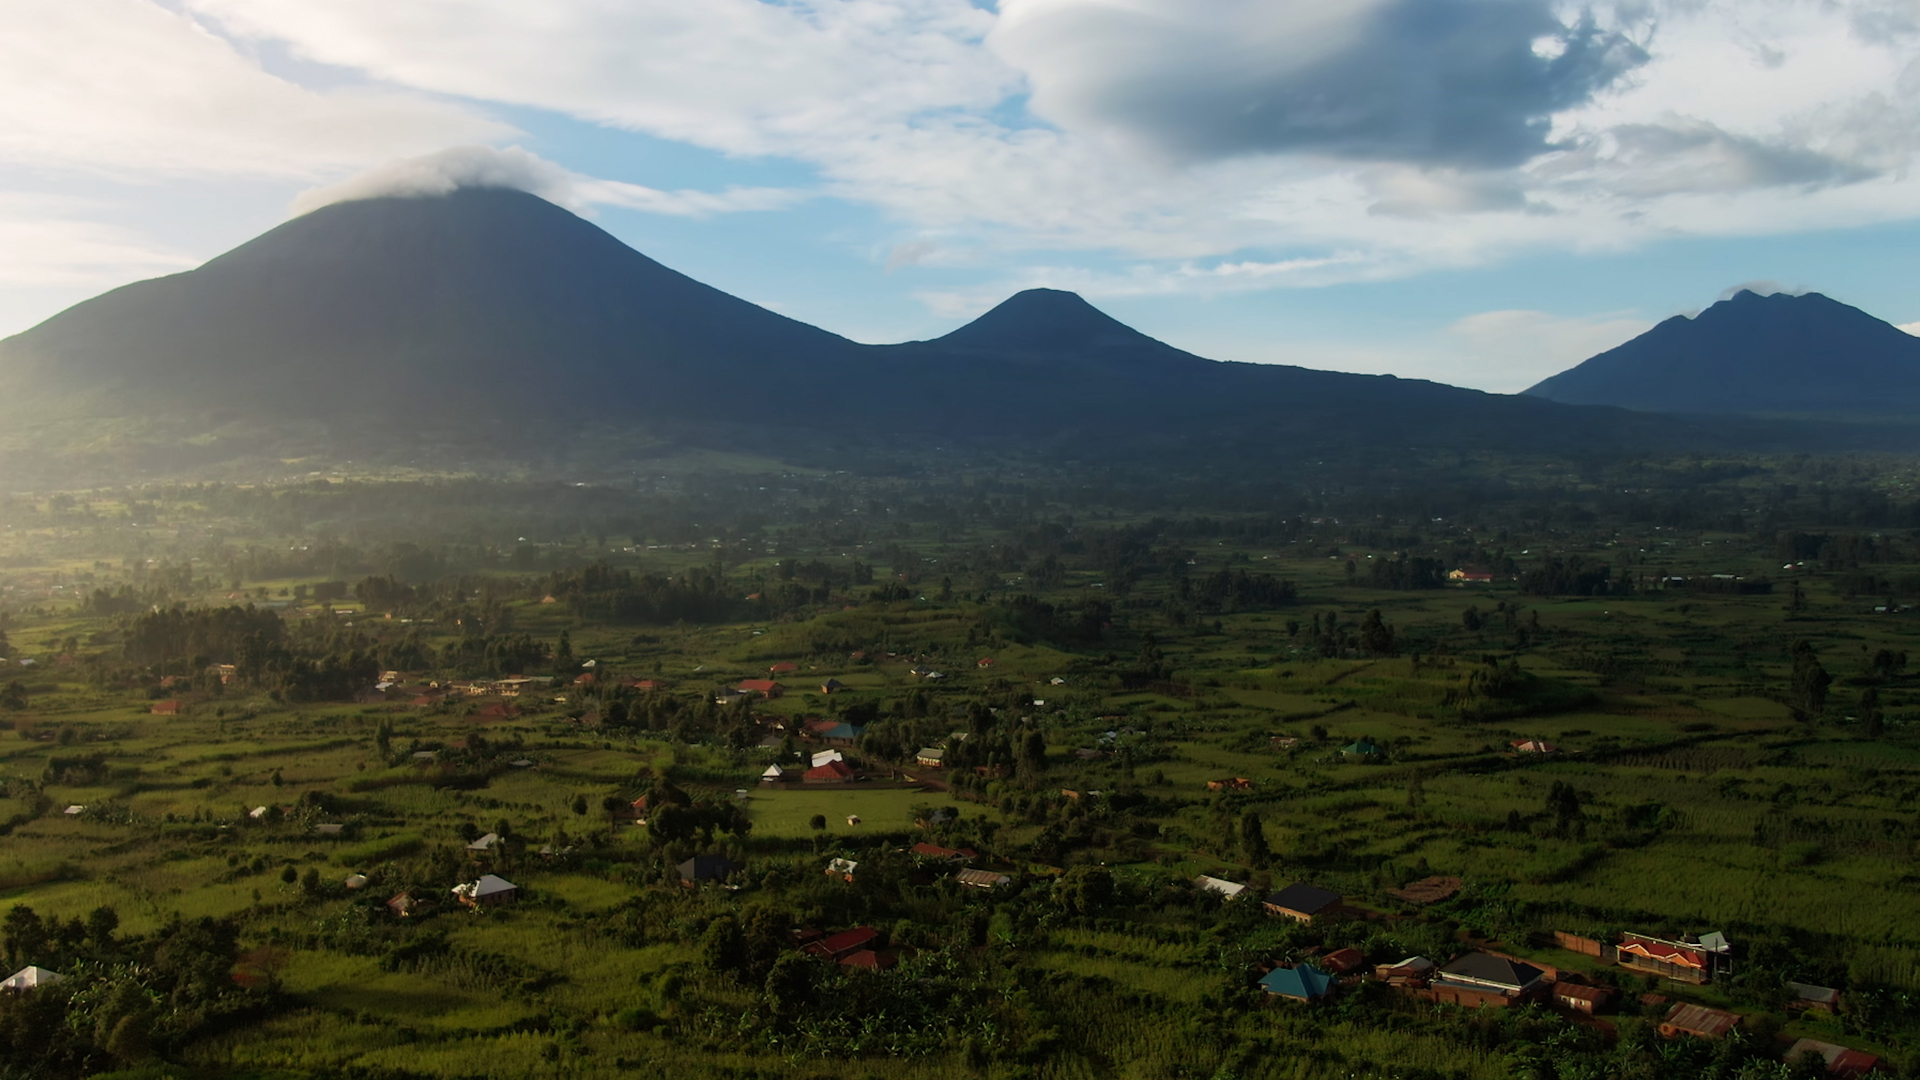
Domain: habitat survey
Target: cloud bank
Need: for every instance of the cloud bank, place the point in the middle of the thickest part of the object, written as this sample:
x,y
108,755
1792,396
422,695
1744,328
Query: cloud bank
x,y
1156,145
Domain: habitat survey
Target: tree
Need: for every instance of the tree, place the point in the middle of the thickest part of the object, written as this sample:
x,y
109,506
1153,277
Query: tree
x,y
1033,754
1808,693
1253,840
1872,722
26,936
578,805
1563,802
101,924
290,874
1085,890
1470,619
723,947
13,697
789,985
817,822
1376,636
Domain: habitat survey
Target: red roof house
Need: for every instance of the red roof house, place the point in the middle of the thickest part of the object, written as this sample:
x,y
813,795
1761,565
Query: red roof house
x,y
165,708
766,688
783,667
843,944
833,772
868,960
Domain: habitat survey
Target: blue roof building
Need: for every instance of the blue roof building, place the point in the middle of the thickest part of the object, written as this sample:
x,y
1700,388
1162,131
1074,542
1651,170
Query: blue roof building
x,y
1303,983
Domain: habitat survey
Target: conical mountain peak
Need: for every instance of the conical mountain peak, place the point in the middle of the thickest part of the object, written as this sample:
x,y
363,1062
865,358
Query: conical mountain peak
x,y
1779,353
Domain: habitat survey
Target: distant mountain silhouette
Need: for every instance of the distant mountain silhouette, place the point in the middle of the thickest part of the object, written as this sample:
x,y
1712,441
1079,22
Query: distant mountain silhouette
x,y
1056,325
491,322
1757,354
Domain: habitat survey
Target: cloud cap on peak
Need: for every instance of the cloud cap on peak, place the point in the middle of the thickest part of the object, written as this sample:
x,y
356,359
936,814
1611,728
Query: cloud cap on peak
x,y
446,171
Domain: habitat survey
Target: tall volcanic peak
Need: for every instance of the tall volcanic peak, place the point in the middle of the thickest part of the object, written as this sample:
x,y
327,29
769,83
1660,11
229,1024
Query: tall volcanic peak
x,y
1782,353
472,297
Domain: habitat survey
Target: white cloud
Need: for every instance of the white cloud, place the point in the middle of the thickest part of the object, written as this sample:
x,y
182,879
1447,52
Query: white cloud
x,y
1508,351
1256,144
44,244
487,167
1911,328
128,86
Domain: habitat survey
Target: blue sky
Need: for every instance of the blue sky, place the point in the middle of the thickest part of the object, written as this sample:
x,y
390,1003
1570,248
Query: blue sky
x,y
1477,191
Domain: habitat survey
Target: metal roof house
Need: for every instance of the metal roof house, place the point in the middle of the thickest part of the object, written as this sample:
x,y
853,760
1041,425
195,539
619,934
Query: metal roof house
x,y
1485,973
29,977
707,868
1304,903
1303,983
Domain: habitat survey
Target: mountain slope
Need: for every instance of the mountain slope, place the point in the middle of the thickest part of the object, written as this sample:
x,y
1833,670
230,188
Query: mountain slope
x,y
477,299
1761,354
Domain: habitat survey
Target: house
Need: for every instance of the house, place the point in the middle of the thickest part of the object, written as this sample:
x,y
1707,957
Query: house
x,y
1586,999
1469,577
766,688
585,678
1698,1021
982,879
402,905
1238,783
425,757
1806,996
832,686
1414,971
1840,1061
355,881
869,960
1681,961
75,810
1365,748
842,945
165,708
29,977
945,854
485,844
1227,889
842,734
833,772
1283,742
647,686
813,725
773,775
1302,983
707,868
929,756
852,820
1341,961
842,869
329,828
1535,746
490,891
1480,978
258,813
784,667
984,662
1430,890
1304,903
825,756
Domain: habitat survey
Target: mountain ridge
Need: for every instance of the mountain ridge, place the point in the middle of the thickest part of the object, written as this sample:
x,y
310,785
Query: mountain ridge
x,y
491,322
1781,353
